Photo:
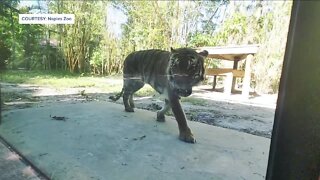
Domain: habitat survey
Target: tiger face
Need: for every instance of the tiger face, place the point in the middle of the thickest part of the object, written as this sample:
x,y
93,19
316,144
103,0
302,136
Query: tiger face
x,y
186,69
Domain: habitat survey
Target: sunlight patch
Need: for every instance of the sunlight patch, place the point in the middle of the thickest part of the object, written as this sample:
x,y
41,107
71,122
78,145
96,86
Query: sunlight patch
x,y
28,172
13,156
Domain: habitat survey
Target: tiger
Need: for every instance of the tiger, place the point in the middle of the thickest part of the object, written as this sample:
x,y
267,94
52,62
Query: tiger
x,y
171,73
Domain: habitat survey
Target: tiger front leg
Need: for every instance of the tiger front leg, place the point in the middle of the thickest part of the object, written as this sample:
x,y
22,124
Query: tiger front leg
x,y
185,133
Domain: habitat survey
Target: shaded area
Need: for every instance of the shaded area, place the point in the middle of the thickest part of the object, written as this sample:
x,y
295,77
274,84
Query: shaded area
x,y
13,168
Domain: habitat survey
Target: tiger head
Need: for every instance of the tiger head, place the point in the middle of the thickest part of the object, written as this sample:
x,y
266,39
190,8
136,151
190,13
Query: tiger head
x,y
186,69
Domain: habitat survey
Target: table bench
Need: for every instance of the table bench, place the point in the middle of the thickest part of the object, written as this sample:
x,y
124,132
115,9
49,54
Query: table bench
x,y
235,54
228,73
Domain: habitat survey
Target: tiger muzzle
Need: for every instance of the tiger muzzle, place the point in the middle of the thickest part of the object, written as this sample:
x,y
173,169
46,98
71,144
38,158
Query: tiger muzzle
x,y
184,92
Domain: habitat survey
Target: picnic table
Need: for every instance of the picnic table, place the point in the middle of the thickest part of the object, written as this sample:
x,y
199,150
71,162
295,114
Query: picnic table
x,y
235,54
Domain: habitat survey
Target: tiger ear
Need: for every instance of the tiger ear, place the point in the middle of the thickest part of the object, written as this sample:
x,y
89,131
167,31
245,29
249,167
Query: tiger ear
x,y
204,53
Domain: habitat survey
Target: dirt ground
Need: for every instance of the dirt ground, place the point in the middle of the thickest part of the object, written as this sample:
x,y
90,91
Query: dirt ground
x,y
254,115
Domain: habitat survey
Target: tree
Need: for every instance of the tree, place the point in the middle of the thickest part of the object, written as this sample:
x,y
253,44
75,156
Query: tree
x,y
160,24
22,40
79,40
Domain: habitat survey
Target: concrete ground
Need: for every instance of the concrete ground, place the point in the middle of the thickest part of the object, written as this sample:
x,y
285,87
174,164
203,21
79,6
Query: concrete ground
x,y
12,167
98,140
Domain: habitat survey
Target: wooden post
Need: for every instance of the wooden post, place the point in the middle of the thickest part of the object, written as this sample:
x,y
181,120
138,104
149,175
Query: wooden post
x,y
235,67
228,83
214,82
247,77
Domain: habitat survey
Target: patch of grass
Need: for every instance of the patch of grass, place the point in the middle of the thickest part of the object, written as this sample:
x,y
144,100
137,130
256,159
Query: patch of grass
x,y
55,79
147,90
194,101
61,80
112,88
22,76
65,82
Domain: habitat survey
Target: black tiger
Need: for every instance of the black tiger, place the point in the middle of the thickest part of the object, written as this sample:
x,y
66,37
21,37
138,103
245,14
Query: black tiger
x,y
170,73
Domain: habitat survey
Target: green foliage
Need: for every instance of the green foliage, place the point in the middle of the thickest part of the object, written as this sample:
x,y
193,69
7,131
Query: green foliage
x,y
200,40
4,55
160,24
108,57
79,40
146,27
233,31
97,58
90,46
268,62
22,40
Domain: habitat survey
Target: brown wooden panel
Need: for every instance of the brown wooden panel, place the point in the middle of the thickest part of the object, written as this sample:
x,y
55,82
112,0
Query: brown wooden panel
x,y
231,53
229,57
217,71
223,71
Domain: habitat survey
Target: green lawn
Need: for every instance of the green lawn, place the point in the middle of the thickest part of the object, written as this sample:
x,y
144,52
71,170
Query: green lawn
x,y
56,79
60,80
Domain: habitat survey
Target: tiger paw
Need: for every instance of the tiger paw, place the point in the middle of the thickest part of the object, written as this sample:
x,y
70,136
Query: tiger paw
x,y
129,109
160,117
187,137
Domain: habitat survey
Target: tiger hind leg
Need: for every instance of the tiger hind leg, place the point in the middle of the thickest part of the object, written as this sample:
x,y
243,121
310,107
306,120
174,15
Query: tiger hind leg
x,y
165,108
130,87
